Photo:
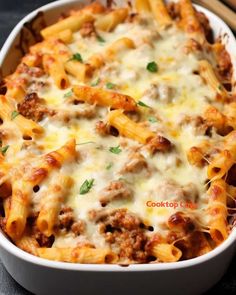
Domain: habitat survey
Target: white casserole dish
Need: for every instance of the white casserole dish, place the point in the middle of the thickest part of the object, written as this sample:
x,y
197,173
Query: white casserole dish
x,y
47,277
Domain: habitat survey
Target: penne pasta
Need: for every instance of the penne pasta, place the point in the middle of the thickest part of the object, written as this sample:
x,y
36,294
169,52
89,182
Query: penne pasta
x,y
166,252
22,187
218,211
207,73
129,128
72,23
189,20
220,165
78,255
79,70
55,68
119,46
19,209
28,244
142,6
160,12
197,154
51,204
66,36
110,20
103,97
28,127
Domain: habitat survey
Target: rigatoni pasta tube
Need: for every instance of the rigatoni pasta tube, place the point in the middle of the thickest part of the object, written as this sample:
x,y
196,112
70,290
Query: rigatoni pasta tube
x,y
54,159
166,252
129,128
94,95
203,244
97,60
118,46
196,154
51,204
79,70
16,221
160,12
110,20
218,211
55,68
6,206
15,91
189,19
16,86
27,243
215,118
28,127
142,6
72,23
220,165
22,186
230,142
66,36
208,74
78,255
93,8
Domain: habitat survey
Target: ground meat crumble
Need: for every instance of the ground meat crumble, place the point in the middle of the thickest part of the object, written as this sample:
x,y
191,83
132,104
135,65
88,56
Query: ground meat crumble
x,y
124,231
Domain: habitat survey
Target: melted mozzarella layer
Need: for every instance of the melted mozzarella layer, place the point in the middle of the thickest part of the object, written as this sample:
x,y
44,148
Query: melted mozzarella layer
x,y
189,96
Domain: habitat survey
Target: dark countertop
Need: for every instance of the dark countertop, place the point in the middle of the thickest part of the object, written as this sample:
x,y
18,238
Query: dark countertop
x,y
11,12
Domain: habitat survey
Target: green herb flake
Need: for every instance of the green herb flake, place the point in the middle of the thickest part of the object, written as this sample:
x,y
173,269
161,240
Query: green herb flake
x,y
14,114
4,149
220,87
115,150
86,186
142,104
95,82
152,119
110,85
152,67
77,56
68,94
100,39
108,167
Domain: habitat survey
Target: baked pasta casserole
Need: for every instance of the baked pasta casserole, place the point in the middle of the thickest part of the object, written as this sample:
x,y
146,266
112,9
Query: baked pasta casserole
x,y
117,137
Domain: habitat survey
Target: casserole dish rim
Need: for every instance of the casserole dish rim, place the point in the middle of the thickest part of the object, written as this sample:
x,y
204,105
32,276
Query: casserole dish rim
x,y
17,252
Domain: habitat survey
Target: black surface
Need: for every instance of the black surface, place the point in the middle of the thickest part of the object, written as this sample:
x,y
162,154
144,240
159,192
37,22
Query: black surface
x,y
11,12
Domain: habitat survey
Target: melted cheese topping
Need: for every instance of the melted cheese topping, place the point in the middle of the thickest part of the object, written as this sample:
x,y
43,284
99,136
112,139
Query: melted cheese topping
x,y
128,72
172,93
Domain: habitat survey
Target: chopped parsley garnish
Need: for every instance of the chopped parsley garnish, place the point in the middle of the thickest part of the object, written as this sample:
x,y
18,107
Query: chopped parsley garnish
x,y
68,94
95,82
152,119
100,39
4,149
86,186
14,114
152,67
109,166
220,87
142,104
110,85
77,56
115,150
